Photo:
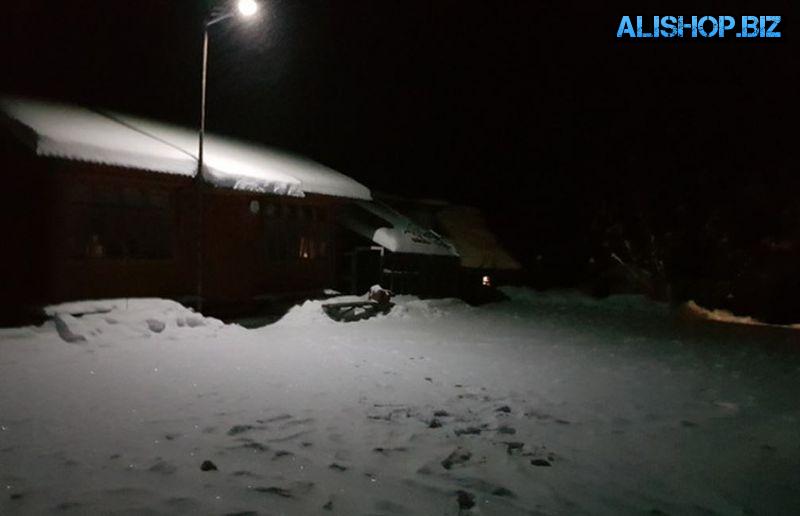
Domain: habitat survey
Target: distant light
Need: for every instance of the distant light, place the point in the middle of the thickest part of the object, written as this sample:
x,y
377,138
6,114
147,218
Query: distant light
x,y
486,281
247,7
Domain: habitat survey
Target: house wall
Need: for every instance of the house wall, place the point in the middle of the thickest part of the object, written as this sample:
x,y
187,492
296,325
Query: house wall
x,y
257,245
81,231
102,223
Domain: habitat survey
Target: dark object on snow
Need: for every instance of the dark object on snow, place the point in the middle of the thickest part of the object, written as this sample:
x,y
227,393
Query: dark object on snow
x,y
378,302
16,496
207,465
505,408
441,413
435,423
459,456
506,430
466,500
470,430
239,429
380,295
283,493
540,462
338,467
328,505
514,447
355,311
502,491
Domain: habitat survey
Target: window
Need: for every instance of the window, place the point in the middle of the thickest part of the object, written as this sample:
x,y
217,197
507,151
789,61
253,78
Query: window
x,y
296,232
126,223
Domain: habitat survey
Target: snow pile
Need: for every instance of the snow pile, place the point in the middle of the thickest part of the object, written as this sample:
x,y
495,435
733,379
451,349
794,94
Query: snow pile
x,y
123,319
76,133
692,309
544,404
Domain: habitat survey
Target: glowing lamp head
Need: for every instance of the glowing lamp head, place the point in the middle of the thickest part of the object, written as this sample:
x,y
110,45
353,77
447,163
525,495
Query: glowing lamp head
x,y
486,281
247,7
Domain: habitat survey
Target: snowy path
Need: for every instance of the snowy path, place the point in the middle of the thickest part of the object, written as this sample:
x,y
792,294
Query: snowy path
x,y
548,404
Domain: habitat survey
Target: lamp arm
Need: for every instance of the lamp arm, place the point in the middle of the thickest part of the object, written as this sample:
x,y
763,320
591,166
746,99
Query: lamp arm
x,y
216,19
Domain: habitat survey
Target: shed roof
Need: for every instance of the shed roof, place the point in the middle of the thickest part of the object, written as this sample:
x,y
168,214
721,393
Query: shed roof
x,y
78,133
393,231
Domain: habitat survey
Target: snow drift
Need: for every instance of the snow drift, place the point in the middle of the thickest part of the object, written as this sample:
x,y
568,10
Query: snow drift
x,y
544,404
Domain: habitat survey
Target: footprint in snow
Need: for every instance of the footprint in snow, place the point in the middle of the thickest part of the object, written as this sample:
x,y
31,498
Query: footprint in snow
x,y
163,467
245,473
274,419
483,486
389,451
470,430
253,446
281,454
293,490
240,429
457,457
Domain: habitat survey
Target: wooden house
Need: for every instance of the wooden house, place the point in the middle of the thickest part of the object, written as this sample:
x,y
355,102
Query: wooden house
x,y
103,205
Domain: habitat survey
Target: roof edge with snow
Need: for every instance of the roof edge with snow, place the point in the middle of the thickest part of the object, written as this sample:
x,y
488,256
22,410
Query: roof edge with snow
x,y
80,134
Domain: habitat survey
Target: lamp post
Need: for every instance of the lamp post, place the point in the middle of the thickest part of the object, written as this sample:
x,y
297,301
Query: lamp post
x,y
245,9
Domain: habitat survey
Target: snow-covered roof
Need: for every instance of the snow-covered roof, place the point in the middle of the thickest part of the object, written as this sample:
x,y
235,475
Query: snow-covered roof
x,y
393,231
77,133
478,247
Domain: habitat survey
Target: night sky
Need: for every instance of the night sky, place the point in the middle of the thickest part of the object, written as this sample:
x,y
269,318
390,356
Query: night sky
x,y
533,110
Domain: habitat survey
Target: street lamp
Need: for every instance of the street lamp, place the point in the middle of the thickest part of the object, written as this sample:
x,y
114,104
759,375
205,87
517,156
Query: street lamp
x,y
247,7
244,9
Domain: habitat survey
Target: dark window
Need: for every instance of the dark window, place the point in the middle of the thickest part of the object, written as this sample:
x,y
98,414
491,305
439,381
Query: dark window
x,y
300,233
127,223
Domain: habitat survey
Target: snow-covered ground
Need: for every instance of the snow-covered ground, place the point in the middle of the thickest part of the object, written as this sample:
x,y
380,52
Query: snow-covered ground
x,y
545,404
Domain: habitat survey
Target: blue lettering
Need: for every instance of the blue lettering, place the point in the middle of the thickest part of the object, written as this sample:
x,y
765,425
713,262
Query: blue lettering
x,y
626,27
725,23
692,26
639,31
701,26
748,23
668,26
771,30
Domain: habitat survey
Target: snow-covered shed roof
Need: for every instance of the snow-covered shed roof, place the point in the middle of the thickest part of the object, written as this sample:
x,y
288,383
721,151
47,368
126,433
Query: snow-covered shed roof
x,y
478,247
78,133
393,231
465,227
